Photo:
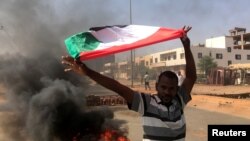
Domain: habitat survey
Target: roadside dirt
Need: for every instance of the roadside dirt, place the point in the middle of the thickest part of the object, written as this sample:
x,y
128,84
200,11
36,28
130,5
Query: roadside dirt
x,y
234,106
202,99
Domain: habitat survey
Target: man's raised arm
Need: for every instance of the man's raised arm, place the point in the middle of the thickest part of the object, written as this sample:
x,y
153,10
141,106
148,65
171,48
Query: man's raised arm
x,y
111,84
191,77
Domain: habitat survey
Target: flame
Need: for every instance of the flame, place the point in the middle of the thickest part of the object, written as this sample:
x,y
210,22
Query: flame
x,y
112,135
107,135
76,137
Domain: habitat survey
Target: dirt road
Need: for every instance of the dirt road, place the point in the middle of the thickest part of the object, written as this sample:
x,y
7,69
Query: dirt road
x,y
197,121
201,99
200,112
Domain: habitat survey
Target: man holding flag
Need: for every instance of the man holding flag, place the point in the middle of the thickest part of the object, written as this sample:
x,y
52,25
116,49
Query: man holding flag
x,y
162,113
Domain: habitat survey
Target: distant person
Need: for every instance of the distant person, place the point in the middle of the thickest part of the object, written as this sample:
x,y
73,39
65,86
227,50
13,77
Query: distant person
x,y
180,78
162,113
146,81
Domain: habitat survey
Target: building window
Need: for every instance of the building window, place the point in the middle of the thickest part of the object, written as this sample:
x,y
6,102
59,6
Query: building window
x,y
163,58
174,57
142,62
182,55
146,63
210,54
235,42
229,62
151,61
169,57
199,55
248,57
229,49
219,56
237,56
156,60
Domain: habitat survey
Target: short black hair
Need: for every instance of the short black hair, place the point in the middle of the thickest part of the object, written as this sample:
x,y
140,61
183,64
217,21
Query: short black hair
x,y
168,74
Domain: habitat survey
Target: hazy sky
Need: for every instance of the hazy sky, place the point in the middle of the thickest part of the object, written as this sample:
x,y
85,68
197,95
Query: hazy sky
x,y
209,18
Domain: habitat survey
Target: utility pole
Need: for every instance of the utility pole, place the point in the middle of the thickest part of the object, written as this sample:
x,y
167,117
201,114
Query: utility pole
x,y
132,52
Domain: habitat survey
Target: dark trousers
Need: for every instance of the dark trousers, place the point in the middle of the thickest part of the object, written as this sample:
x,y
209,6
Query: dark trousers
x,y
147,86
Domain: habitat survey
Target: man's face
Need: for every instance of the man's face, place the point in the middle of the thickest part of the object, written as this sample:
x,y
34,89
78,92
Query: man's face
x,y
166,88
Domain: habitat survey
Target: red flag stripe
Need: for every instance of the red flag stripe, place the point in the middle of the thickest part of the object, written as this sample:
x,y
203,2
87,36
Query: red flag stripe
x,y
163,34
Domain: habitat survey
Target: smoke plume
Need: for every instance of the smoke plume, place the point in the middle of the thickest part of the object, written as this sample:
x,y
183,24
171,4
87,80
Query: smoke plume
x,y
43,103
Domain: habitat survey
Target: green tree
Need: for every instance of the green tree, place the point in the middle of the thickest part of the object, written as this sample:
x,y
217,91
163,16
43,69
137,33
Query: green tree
x,y
206,63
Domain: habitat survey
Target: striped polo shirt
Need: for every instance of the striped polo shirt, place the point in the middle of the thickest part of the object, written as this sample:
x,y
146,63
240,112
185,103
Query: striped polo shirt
x,y
162,122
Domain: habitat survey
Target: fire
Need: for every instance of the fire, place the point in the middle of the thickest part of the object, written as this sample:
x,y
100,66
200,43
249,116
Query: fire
x,y
76,138
107,135
112,135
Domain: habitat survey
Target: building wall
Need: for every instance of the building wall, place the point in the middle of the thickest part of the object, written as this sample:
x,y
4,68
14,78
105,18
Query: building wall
x,y
167,58
220,55
219,42
123,70
226,55
221,49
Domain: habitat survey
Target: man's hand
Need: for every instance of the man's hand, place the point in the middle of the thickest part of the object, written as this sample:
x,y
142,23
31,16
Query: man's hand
x,y
185,40
73,65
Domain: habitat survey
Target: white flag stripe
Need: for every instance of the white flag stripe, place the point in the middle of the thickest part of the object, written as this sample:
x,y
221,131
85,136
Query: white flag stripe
x,y
115,36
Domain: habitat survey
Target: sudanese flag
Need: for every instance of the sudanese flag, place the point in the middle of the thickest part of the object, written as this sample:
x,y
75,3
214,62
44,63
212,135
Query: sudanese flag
x,y
102,41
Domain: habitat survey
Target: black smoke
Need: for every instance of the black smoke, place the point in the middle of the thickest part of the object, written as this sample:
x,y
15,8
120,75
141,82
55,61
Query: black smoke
x,y
43,103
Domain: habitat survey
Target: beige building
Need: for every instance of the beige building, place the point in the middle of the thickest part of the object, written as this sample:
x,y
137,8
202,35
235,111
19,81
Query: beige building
x,y
173,59
226,50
